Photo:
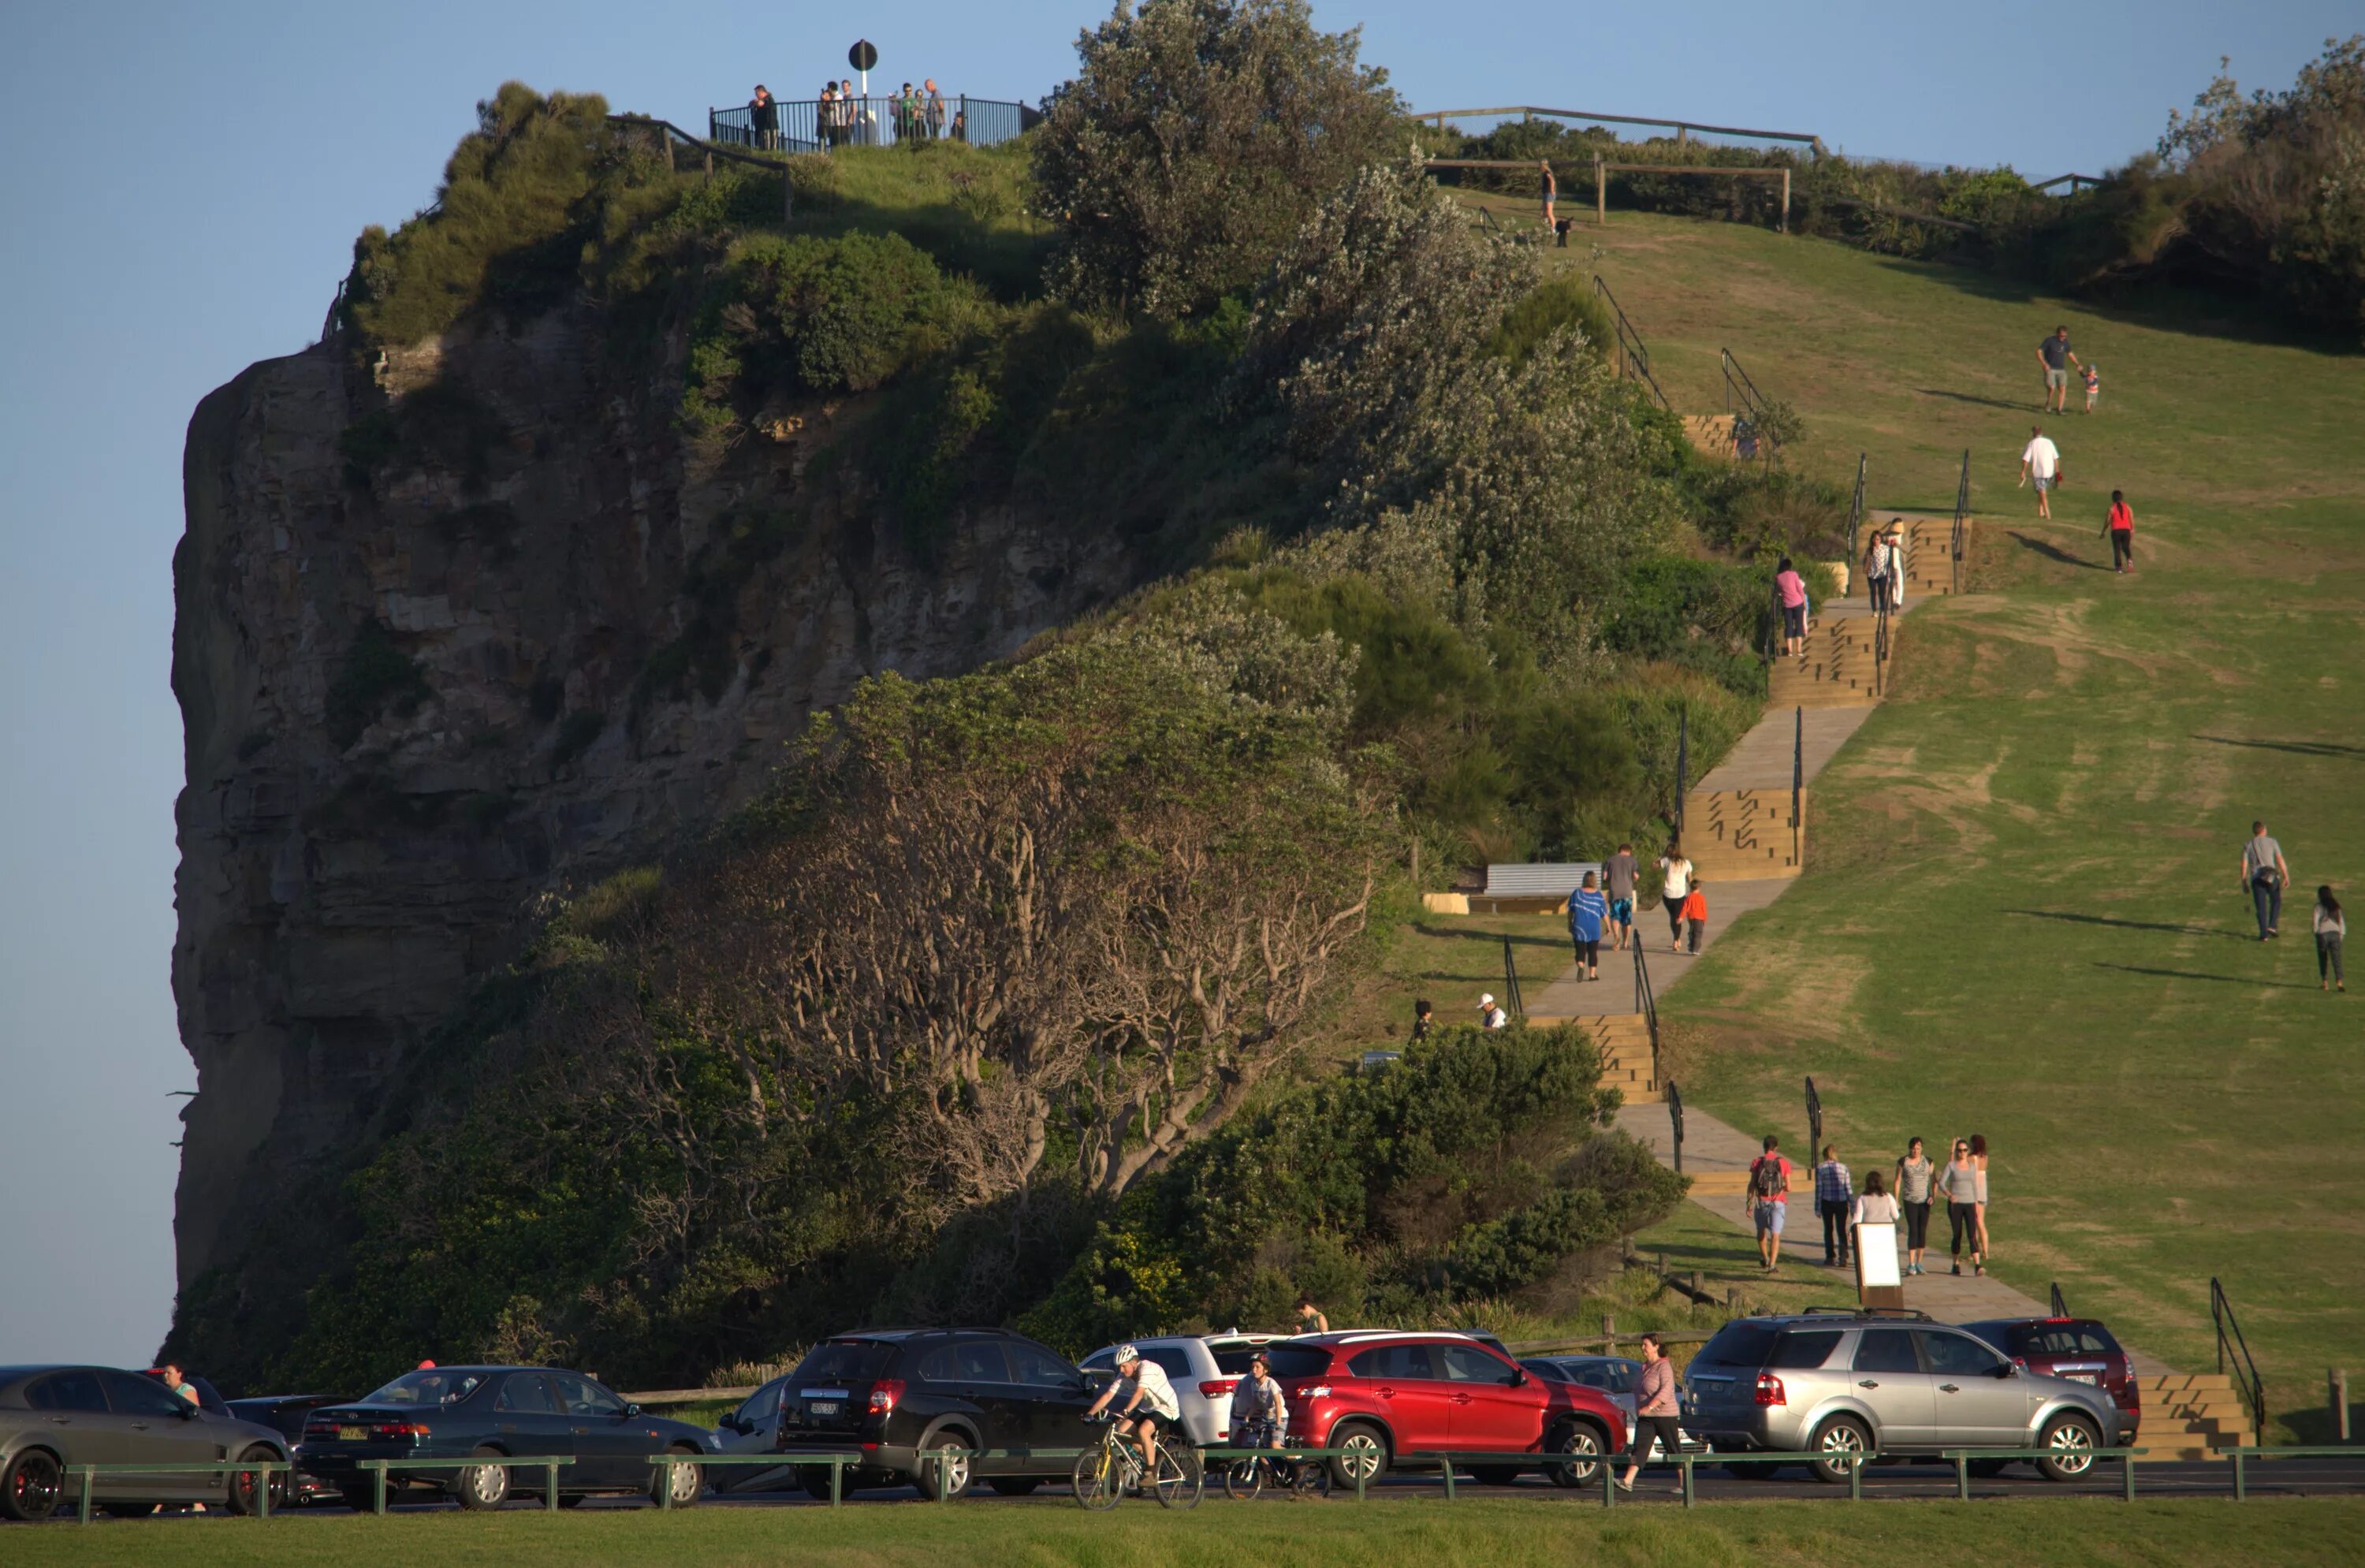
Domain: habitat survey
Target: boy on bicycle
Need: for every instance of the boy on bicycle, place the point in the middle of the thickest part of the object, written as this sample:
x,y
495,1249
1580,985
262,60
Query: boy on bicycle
x,y
1260,1415
1144,1383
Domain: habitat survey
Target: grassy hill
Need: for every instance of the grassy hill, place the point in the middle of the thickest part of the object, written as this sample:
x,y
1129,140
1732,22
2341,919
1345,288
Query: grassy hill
x,y
2021,914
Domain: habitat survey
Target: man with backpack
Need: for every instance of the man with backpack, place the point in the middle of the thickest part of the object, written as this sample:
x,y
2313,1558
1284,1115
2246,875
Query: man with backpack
x,y
1769,1199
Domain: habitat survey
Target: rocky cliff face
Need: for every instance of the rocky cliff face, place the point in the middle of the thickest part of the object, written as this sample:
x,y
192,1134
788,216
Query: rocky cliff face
x,y
468,623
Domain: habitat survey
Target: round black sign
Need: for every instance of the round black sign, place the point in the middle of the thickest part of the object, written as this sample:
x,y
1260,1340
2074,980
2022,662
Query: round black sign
x,y
862,56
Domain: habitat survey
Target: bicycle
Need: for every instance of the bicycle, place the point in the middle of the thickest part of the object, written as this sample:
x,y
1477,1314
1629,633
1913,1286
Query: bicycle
x,y
1246,1476
1106,1474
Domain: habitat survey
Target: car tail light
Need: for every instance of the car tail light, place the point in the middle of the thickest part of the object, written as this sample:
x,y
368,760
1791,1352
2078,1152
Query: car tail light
x,y
321,1428
1319,1391
1770,1390
1217,1388
395,1431
885,1395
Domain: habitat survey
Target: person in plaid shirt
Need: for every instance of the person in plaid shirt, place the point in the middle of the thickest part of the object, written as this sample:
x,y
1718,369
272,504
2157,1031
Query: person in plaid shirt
x,y
1832,1195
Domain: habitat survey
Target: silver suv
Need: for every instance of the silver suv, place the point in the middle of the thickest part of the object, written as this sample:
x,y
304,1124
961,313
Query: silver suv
x,y
1848,1381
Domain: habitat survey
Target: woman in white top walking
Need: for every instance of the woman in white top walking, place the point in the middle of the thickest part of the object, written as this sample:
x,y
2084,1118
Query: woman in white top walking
x,y
1676,885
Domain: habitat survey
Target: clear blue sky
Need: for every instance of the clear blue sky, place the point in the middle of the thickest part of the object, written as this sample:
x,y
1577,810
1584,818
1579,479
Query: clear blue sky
x,y
182,185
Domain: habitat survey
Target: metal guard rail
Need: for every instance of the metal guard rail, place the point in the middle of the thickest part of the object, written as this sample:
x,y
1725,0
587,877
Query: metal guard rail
x,y
207,1467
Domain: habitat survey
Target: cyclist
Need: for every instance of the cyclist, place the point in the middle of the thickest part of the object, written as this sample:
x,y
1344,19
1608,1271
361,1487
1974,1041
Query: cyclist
x,y
1260,1415
1149,1401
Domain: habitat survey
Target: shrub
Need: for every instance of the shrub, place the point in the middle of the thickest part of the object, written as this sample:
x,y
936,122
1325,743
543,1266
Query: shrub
x,y
1564,302
1195,135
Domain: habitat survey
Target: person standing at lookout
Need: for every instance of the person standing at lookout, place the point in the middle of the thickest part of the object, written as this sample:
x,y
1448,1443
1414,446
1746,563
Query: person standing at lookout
x,y
1618,875
2120,524
1551,191
1674,885
1587,912
2054,355
2041,460
764,119
1769,1201
2265,876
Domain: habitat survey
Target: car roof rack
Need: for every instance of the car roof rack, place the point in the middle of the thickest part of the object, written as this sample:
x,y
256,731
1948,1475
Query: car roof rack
x,y
1900,1314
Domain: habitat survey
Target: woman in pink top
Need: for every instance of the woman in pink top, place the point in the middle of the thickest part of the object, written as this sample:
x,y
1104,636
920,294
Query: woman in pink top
x,y
1790,588
1654,1411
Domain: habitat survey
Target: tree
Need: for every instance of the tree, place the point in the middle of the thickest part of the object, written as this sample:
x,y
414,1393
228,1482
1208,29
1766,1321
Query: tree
x,y
1193,141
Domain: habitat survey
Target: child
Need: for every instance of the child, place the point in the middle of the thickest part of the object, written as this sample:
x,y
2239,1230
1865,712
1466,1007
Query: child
x,y
2093,385
1587,912
2120,524
1696,914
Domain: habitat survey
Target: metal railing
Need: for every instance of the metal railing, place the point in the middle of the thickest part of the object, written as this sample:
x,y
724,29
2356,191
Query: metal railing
x,y
1675,1122
1647,1005
2060,1307
1855,508
810,125
1511,999
205,1467
1963,1458
1799,787
1745,403
1880,647
1634,356
1962,519
2234,1356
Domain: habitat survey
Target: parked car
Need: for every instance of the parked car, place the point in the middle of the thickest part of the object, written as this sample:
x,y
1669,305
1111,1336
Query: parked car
x,y
895,1394
2078,1348
53,1417
285,1414
1858,1381
1203,1369
1390,1398
1613,1375
487,1414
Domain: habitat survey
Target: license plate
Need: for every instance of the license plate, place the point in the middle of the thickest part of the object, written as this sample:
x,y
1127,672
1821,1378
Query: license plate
x,y
351,1434
2088,1378
822,1407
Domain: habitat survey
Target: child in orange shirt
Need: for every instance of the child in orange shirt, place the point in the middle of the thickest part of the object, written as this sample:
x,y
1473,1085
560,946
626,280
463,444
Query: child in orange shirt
x,y
1695,915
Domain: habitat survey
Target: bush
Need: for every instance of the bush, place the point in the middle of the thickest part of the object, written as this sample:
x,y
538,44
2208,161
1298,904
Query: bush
x,y
1196,135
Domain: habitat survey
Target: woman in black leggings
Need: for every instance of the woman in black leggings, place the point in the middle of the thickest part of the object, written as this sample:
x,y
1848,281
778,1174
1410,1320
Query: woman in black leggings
x,y
1960,1182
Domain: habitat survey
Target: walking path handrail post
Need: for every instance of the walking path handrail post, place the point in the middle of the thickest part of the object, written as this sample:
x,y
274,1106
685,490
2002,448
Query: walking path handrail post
x,y
1675,1122
1797,783
2244,1370
1962,518
1855,508
1646,1004
1633,355
1511,981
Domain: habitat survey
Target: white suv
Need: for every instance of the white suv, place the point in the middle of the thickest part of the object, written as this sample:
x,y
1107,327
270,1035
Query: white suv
x,y
1204,1371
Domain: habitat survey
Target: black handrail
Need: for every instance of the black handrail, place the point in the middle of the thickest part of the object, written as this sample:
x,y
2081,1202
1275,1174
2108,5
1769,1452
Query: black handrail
x,y
1880,647
1675,1121
2246,1372
1634,359
1797,785
1518,1008
1646,1003
1856,505
2060,1307
1962,518
808,125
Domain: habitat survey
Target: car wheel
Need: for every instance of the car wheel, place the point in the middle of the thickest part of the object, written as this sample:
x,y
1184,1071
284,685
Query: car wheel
x,y
1363,1454
1494,1474
245,1486
1843,1442
1584,1445
1007,1485
686,1482
482,1485
1988,1469
814,1478
32,1485
2069,1442
946,1466
358,1499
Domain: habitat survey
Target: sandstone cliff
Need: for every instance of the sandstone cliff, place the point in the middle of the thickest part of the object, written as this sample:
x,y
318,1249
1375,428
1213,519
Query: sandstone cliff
x,y
465,624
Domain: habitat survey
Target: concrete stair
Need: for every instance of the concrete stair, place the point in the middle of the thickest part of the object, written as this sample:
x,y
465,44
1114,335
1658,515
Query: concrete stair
x,y
1733,835
1837,670
2192,1415
1929,543
1624,1041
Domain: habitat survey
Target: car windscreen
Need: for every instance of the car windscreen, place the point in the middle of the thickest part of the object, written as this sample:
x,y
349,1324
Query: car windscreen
x,y
426,1388
844,1360
1803,1349
1737,1345
1289,1362
2063,1339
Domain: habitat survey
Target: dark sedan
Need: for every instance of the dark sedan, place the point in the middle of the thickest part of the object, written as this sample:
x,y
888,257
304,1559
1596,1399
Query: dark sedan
x,y
51,1418
489,1414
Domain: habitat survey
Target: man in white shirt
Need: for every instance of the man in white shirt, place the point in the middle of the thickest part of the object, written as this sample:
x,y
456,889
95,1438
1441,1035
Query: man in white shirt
x,y
1144,1383
1491,1017
2041,460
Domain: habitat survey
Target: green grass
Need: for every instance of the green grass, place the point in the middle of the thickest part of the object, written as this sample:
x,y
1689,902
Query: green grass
x,y
1827,1532
1450,960
2019,916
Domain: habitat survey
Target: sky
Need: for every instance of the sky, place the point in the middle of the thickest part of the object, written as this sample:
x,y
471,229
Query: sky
x,y
181,191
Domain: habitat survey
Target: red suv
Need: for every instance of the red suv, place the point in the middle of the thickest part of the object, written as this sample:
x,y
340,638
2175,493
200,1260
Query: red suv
x,y
2078,1348
1393,1398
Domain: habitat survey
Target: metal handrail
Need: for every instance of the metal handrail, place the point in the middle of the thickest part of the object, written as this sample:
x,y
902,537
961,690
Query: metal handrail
x,y
1645,1004
1518,1008
2229,1334
2060,1307
1634,358
1961,518
1799,787
1880,647
1676,1124
1962,1459
1855,506
878,120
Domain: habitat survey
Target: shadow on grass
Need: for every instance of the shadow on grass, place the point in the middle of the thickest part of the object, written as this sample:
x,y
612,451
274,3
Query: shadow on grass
x,y
2128,924
1492,938
2297,748
2188,974
1971,398
2053,552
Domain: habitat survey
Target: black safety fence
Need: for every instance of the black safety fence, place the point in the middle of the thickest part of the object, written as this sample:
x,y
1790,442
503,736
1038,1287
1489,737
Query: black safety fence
x,y
817,124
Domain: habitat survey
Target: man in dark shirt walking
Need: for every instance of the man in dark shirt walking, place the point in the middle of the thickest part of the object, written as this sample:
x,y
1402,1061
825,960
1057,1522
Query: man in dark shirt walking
x,y
1617,874
2054,354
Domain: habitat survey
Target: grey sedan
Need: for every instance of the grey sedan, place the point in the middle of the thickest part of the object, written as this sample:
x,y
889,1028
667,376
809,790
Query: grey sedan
x,y
55,1416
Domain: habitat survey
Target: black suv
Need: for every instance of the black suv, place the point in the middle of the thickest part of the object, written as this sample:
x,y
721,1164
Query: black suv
x,y
892,1394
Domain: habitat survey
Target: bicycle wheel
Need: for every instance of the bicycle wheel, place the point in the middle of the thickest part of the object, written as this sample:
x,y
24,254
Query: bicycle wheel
x,y
1243,1478
1180,1478
1099,1479
1312,1478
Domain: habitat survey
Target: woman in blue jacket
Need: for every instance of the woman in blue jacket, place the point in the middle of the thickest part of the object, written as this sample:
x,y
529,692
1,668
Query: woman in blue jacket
x,y
1587,911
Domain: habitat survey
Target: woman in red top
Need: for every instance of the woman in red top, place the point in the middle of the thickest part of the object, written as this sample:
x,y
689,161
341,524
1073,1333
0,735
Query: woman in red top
x,y
2121,526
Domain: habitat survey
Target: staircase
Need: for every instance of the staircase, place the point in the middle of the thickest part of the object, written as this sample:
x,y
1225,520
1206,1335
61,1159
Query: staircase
x,y
1929,551
1624,1041
1734,836
1836,671
2189,1415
